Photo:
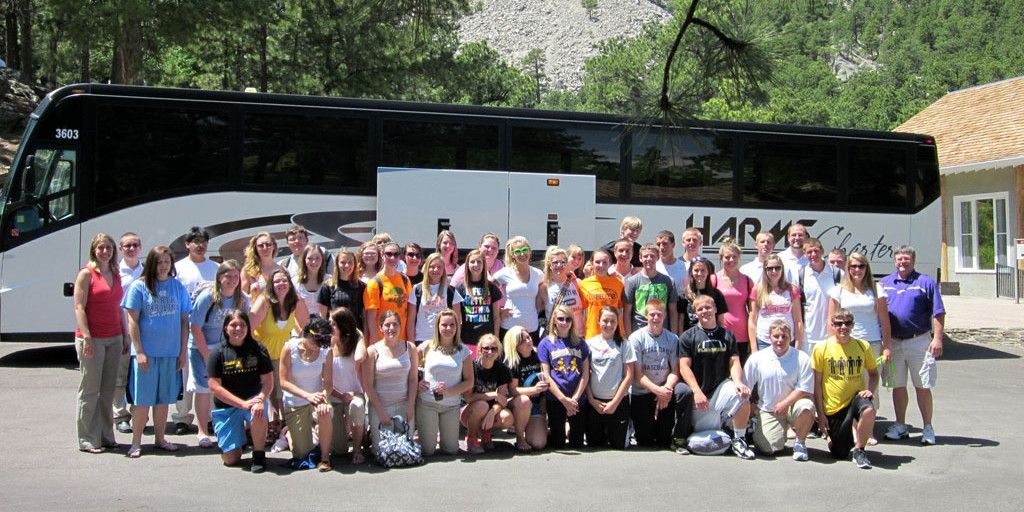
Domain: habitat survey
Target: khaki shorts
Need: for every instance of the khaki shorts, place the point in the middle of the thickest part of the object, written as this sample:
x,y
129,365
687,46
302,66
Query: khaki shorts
x,y
770,435
912,356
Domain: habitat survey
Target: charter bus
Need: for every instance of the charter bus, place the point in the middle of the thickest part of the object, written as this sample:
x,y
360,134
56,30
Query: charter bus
x,y
155,161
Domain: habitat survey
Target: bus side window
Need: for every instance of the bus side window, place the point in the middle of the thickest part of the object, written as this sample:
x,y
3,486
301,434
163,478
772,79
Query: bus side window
x,y
47,191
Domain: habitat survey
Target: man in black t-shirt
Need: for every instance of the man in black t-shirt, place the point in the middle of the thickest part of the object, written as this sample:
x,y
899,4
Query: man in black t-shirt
x,y
712,390
241,378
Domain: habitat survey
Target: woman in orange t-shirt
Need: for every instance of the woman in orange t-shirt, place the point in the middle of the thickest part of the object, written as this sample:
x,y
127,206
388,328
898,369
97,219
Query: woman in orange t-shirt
x,y
599,290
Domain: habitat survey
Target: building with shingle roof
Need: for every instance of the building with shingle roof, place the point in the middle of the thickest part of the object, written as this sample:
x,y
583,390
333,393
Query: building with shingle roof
x,y
979,134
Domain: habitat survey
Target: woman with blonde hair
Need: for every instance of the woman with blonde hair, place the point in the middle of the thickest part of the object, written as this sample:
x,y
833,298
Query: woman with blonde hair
x,y
565,361
99,341
736,289
259,263
447,374
774,298
207,328
521,284
343,288
368,261
448,248
312,273
428,298
486,409
560,286
528,389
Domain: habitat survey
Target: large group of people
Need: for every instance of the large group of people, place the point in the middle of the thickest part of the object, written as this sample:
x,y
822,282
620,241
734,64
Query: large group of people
x,y
317,352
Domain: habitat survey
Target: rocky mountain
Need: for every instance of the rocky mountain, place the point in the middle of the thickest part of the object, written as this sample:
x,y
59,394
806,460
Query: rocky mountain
x,y
565,30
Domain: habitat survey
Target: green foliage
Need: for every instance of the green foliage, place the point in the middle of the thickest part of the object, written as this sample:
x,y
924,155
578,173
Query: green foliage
x,y
909,54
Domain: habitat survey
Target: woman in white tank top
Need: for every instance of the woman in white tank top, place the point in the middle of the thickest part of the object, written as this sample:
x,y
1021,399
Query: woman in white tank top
x,y
306,382
349,351
390,379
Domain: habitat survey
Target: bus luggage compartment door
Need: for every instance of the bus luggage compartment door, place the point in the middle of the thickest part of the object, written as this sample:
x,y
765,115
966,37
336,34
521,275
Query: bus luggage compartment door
x,y
542,206
412,204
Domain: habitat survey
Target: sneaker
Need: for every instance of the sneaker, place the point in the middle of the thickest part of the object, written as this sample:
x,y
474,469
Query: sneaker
x,y
740,448
181,429
473,446
680,446
928,435
897,431
258,467
860,458
799,452
205,442
124,427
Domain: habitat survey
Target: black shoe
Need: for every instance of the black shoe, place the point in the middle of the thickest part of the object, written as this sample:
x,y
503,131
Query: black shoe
x,y
181,429
124,427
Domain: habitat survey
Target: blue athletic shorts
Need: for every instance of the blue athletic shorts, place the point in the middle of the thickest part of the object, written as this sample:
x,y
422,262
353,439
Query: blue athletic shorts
x,y
229,427
160,385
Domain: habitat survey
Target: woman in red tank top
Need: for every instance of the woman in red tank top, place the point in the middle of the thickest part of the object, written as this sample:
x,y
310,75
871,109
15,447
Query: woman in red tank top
x,y
99,342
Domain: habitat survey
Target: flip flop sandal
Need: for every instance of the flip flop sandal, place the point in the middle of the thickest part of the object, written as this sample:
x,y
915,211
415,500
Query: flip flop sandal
x,y
167,446
134,452
93,450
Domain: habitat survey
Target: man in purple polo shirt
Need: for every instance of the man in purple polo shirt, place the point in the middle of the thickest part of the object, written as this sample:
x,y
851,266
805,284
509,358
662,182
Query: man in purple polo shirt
x,y
916,315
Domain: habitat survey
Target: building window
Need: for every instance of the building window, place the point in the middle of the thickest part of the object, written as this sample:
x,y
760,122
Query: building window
x,y
982,234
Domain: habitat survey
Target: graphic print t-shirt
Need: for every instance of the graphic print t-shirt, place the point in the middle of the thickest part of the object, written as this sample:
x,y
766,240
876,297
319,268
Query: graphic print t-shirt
x,y
239,369
842,368
477,310
710,352
599,292
639,289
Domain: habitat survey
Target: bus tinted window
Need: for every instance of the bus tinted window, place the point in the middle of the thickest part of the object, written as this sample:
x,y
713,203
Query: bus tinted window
x,y
322,153
877,176
927,183
682,166
147,151
787,173
569,150
440,145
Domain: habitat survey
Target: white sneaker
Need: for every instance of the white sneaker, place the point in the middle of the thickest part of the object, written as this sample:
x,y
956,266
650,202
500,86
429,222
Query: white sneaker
x,y
928,435
897,431
799,452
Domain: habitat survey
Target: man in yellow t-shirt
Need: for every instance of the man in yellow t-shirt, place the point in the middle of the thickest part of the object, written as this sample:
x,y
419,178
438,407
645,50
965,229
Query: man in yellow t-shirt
x,y
845,411
388,291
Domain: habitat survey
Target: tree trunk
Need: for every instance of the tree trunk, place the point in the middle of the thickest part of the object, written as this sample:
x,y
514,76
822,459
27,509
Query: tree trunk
x,y
25,22
127,52
263,58
84,61
12,55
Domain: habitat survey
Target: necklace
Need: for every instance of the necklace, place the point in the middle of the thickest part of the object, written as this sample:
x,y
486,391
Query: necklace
x,y
447,350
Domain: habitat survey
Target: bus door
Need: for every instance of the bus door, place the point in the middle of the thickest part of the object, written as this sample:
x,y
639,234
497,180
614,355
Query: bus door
x,y
548,209
42,243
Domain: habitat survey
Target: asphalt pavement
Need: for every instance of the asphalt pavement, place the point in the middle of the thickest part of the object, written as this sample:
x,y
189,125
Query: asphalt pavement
x,y
977,463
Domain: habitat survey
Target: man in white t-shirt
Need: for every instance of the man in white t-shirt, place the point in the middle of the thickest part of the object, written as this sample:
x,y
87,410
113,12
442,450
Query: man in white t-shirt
x,y
130,269
297,238
815,280
668,264
785,385
793,257
194,271
765,243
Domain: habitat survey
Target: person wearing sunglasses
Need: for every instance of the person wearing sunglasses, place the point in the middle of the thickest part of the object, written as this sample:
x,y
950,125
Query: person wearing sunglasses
x,y
307,380
486,410
259,264
774,298
389,290
560,286
565,361
413,258
846,414
528,389
859,294
524,296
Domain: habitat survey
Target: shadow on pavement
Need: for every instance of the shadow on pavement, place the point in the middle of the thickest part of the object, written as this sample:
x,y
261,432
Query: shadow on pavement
x,y
955,351
886,461
970,442
57,356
